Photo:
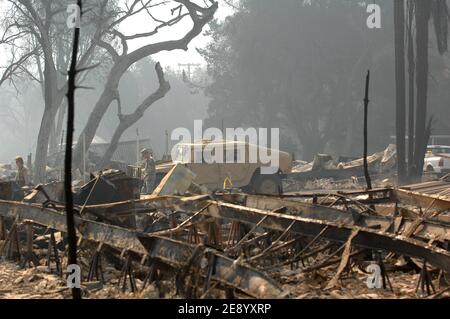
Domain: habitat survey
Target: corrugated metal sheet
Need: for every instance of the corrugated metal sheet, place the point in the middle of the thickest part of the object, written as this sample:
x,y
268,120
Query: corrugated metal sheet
x,y
428,195
439,188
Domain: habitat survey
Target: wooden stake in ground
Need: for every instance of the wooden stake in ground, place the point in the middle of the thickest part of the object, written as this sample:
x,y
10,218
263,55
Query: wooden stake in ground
x,y
71,234
366,105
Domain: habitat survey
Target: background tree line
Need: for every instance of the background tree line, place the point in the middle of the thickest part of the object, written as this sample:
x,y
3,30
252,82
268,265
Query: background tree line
x,y
300,66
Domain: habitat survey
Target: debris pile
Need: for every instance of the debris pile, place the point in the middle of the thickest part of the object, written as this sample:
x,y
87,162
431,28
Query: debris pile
x,y
182,241
345,172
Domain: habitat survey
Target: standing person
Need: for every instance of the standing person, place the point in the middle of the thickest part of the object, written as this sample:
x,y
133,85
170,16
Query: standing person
x,y
149,170
22,173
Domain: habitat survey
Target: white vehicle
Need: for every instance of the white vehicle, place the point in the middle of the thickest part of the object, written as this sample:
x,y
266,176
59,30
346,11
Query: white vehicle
x,y
437,159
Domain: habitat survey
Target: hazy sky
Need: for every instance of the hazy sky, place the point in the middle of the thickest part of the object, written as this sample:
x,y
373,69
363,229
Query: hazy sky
x,y
175,32
142,23
137,24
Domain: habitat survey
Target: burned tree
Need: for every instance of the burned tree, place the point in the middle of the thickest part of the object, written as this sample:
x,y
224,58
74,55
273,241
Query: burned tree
x,y
366,106
399,26
71,233
419,123
411,83
423,11
37,30
129,119
123,60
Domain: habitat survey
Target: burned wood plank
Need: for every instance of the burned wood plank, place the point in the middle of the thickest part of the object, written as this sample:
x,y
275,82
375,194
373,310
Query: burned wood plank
x,y
340,232
115,236
227,271
150,204
171,252
430,228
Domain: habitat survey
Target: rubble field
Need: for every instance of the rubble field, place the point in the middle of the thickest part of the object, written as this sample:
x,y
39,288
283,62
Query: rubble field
x,y
185,242
37,283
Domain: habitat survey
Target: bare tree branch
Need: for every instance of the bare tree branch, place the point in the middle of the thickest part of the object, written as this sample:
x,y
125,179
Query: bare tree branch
x,y
128,120
200,17
12,68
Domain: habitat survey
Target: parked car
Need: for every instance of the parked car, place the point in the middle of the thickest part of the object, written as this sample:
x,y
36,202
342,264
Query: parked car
x,y
437,159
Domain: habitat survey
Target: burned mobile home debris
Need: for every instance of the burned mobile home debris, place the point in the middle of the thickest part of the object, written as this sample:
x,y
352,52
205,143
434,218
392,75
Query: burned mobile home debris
x,y
317,165
230,243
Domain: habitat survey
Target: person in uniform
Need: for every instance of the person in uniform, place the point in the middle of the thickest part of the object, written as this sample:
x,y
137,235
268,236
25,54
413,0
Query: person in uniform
x,y
22,173
149,171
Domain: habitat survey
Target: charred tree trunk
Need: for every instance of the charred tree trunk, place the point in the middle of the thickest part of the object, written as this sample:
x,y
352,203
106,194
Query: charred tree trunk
x,y
423,11
71,234
411,86
366,111
399,26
